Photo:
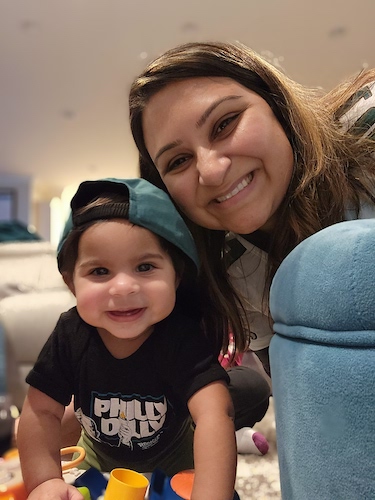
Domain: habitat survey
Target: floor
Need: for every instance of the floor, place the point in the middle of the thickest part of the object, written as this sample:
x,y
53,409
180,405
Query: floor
x,y
258,476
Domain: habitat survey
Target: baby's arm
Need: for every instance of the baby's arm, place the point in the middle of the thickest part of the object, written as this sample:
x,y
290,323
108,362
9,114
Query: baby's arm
x,y
215,454
38,442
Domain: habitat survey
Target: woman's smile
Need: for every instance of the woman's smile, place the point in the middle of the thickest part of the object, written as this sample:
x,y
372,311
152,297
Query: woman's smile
x,y
240,187
222,154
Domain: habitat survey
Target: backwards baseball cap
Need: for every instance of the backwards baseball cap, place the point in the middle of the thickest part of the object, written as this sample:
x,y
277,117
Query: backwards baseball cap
x,y
149,207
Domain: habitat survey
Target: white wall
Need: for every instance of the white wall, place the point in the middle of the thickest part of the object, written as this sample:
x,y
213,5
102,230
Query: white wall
x,y
22,186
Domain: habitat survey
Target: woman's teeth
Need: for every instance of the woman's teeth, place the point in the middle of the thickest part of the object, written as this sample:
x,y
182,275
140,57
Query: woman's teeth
x,y
237,189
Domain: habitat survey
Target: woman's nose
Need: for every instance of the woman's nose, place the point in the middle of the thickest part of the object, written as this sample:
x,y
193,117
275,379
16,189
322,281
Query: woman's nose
x,y
212,167
123,284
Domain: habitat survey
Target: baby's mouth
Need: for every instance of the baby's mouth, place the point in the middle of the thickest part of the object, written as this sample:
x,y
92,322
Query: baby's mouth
x,y
129,312
245,182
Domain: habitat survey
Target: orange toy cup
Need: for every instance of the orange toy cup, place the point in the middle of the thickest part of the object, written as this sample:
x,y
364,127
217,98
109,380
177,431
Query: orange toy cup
x,y
126,484
182,483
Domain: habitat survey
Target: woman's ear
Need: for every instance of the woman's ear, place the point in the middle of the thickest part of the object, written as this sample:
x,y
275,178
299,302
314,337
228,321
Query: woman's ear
x,y
68,279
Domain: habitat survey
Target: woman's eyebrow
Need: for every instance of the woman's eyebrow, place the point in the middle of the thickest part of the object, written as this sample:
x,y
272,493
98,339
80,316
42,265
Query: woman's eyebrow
x,y
214,105
166,148
202,120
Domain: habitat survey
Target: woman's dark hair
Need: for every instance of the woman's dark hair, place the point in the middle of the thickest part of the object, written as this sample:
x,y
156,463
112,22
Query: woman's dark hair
x,y
333,169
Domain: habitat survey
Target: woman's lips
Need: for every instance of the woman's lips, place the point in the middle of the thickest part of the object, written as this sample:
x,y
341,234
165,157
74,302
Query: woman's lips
x,y
244,183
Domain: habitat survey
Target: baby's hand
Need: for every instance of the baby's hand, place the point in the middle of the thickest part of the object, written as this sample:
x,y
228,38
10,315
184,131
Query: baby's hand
x,y
55,489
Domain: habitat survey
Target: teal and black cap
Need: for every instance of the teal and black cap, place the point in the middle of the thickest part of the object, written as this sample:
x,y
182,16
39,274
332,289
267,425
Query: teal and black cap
x,y
149,207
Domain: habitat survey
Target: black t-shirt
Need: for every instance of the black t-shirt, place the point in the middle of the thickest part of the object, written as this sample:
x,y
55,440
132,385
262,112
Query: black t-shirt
x,y
136,405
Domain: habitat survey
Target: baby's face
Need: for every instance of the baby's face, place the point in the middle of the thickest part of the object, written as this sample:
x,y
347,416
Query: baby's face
x,y
124,281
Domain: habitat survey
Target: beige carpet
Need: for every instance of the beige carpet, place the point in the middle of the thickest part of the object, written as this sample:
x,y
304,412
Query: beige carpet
x,y
258,476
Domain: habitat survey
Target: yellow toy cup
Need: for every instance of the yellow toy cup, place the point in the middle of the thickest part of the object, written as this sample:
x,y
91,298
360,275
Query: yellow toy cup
x,y
126,484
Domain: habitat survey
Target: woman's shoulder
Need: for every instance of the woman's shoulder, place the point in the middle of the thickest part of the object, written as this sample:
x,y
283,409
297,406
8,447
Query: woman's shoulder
x,y
245,253
358,113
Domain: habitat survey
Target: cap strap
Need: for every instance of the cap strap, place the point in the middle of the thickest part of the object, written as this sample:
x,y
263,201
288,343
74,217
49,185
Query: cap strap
x,y
107,211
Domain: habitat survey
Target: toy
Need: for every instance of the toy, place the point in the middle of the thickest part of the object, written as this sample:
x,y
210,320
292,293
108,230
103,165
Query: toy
x,y
126,483
94,481
84,492
178,487
11,482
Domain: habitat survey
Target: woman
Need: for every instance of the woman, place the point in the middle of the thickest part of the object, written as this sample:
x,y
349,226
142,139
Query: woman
x,y
255,162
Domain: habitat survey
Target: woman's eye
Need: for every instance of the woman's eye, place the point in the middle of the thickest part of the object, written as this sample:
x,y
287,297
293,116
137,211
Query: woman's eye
x,y
143,268
100,271
174,164
224,123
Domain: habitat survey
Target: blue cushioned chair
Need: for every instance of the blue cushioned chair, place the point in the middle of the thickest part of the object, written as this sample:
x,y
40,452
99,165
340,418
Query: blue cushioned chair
x,y
322,358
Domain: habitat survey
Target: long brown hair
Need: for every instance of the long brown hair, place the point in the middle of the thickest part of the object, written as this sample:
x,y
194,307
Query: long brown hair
x,y
333,168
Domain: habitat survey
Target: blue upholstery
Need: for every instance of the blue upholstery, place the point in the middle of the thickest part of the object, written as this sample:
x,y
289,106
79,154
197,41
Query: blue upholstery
x,y
322,358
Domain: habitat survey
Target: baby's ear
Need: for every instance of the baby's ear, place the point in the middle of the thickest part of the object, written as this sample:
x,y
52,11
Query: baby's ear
x,y
177,281
68,279
180,275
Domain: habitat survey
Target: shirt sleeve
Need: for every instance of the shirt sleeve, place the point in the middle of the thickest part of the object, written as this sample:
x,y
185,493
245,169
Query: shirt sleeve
x,y
190,362
53,373
247,273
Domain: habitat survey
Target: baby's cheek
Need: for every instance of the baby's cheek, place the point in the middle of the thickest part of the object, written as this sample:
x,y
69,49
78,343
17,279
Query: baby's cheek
x,y
166,300
87,305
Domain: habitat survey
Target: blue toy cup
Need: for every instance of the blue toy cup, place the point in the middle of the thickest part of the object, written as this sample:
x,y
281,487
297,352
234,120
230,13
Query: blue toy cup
x,y
94,481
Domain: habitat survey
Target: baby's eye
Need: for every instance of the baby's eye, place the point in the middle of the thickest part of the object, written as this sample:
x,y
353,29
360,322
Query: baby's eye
x,y
144,268
100,271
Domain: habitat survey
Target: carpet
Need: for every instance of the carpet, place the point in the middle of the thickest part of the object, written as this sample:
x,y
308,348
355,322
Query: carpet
x,y
258,476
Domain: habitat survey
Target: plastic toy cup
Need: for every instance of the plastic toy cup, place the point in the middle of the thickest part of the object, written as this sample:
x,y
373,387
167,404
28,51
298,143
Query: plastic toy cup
x,y
126,484
182,483
179,487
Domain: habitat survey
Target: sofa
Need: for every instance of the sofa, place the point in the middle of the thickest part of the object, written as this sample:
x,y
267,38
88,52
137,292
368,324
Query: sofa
x,y
32,297
322,358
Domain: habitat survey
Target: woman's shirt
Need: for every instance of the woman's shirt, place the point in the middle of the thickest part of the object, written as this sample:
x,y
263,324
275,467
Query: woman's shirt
x,y
248,261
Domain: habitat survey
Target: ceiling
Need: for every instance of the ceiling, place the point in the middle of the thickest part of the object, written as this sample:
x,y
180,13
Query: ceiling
x,y
66,67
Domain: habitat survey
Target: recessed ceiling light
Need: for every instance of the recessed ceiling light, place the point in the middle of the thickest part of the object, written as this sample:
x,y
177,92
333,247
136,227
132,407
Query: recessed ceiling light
x,y
68,114
189,27
28,25
337,31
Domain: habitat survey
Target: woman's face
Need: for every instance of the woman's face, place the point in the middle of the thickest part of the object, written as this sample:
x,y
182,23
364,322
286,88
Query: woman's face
x,y
222,154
